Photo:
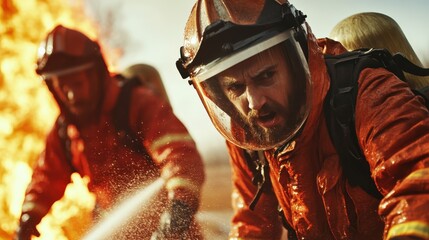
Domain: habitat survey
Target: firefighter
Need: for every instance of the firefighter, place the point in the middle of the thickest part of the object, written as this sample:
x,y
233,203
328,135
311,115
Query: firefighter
x,y
261,75
120,140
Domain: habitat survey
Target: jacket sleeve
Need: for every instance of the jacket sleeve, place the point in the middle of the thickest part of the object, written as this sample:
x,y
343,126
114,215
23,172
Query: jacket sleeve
x,y
51,174
170,146
393,130
262,222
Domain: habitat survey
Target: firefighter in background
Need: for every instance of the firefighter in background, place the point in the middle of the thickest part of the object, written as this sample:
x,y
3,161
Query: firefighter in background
x,y
261,75
149,77
85,139
377,30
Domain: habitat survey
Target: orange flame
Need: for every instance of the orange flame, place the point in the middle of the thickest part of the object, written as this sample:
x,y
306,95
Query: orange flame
x,y
28,110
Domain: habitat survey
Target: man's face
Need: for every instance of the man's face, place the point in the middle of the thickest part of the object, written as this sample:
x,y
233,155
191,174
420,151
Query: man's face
x,y
261,90
79,92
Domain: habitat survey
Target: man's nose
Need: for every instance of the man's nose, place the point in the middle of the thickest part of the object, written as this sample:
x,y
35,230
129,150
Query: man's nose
x,y
255,97
69,92
70,95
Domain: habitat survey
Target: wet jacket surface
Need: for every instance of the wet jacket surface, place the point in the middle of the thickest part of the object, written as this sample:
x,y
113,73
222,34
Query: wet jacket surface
x,y
392,126
115,169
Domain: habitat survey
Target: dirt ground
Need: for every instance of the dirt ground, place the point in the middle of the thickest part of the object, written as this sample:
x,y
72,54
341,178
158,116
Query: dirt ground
x,y
216,212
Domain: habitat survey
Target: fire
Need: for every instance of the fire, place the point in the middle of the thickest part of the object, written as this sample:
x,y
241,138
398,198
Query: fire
x,y
28,110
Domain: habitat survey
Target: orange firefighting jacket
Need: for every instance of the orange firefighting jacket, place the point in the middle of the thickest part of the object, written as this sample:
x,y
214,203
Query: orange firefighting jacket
x,y
113,168
392,125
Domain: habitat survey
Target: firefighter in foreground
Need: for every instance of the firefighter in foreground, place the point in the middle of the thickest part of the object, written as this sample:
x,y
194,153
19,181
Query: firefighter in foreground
x,y
121,140
261,75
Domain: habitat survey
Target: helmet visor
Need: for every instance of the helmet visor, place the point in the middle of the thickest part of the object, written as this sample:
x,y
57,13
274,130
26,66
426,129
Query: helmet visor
x,y
258,97
66,70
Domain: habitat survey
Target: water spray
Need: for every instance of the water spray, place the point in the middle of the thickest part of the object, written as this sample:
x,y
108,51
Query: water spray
x,y
125,211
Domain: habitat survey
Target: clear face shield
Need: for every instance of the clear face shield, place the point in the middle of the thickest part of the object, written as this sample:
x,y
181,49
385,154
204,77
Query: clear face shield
x,y
54,75
258,98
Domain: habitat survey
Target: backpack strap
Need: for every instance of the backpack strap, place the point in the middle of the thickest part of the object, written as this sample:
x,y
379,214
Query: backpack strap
x,y
344,71
65,141
120,120
260,170
339,111
121,113
258,164
409,67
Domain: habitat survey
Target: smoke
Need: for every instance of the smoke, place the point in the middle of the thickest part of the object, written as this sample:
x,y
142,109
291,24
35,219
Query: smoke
x,y
111,33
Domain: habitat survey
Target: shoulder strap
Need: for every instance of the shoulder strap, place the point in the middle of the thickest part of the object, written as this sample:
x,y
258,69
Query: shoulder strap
x,y
121,109
260,170
65,141
258,165
409,67
121,113
340,103
339,108
120,121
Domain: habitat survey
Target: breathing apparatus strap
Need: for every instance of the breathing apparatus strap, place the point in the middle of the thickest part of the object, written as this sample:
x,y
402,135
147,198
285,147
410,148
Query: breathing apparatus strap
x,y
260,169
66,141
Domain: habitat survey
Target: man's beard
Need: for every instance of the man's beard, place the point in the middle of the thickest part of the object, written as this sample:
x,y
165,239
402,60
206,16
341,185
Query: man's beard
x,y
267,136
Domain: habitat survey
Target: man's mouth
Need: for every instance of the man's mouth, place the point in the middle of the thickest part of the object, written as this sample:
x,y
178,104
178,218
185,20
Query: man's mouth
x,y
267,120
78,106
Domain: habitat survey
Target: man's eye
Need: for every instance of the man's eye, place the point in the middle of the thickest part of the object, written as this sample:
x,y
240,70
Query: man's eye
x,y
266,74
235,89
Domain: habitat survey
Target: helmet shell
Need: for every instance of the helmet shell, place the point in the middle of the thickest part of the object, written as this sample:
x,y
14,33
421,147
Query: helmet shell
x,y
65,48
215,25
241,12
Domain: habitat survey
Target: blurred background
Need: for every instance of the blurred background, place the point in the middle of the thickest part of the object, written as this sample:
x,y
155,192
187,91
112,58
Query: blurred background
x,y
130,31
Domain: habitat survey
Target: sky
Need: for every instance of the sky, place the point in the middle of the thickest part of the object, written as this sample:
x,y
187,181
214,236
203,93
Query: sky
x,y
151,31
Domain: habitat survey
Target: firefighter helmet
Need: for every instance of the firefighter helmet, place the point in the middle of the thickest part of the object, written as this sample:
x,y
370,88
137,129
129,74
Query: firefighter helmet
x,y
64,51
221,38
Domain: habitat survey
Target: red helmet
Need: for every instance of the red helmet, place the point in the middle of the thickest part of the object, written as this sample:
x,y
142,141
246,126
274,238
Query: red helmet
x,y
64,51
214,26
222,36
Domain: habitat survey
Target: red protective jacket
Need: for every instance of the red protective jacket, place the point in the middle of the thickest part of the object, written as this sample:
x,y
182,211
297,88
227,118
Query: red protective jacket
x,y
115,169
392,126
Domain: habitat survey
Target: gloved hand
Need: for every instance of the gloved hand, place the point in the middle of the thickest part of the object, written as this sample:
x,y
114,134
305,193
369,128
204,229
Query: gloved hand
x,y
174,222
27,227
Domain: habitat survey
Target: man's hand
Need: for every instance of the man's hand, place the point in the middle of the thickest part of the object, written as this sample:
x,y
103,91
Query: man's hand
x,y
27,228
174,222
